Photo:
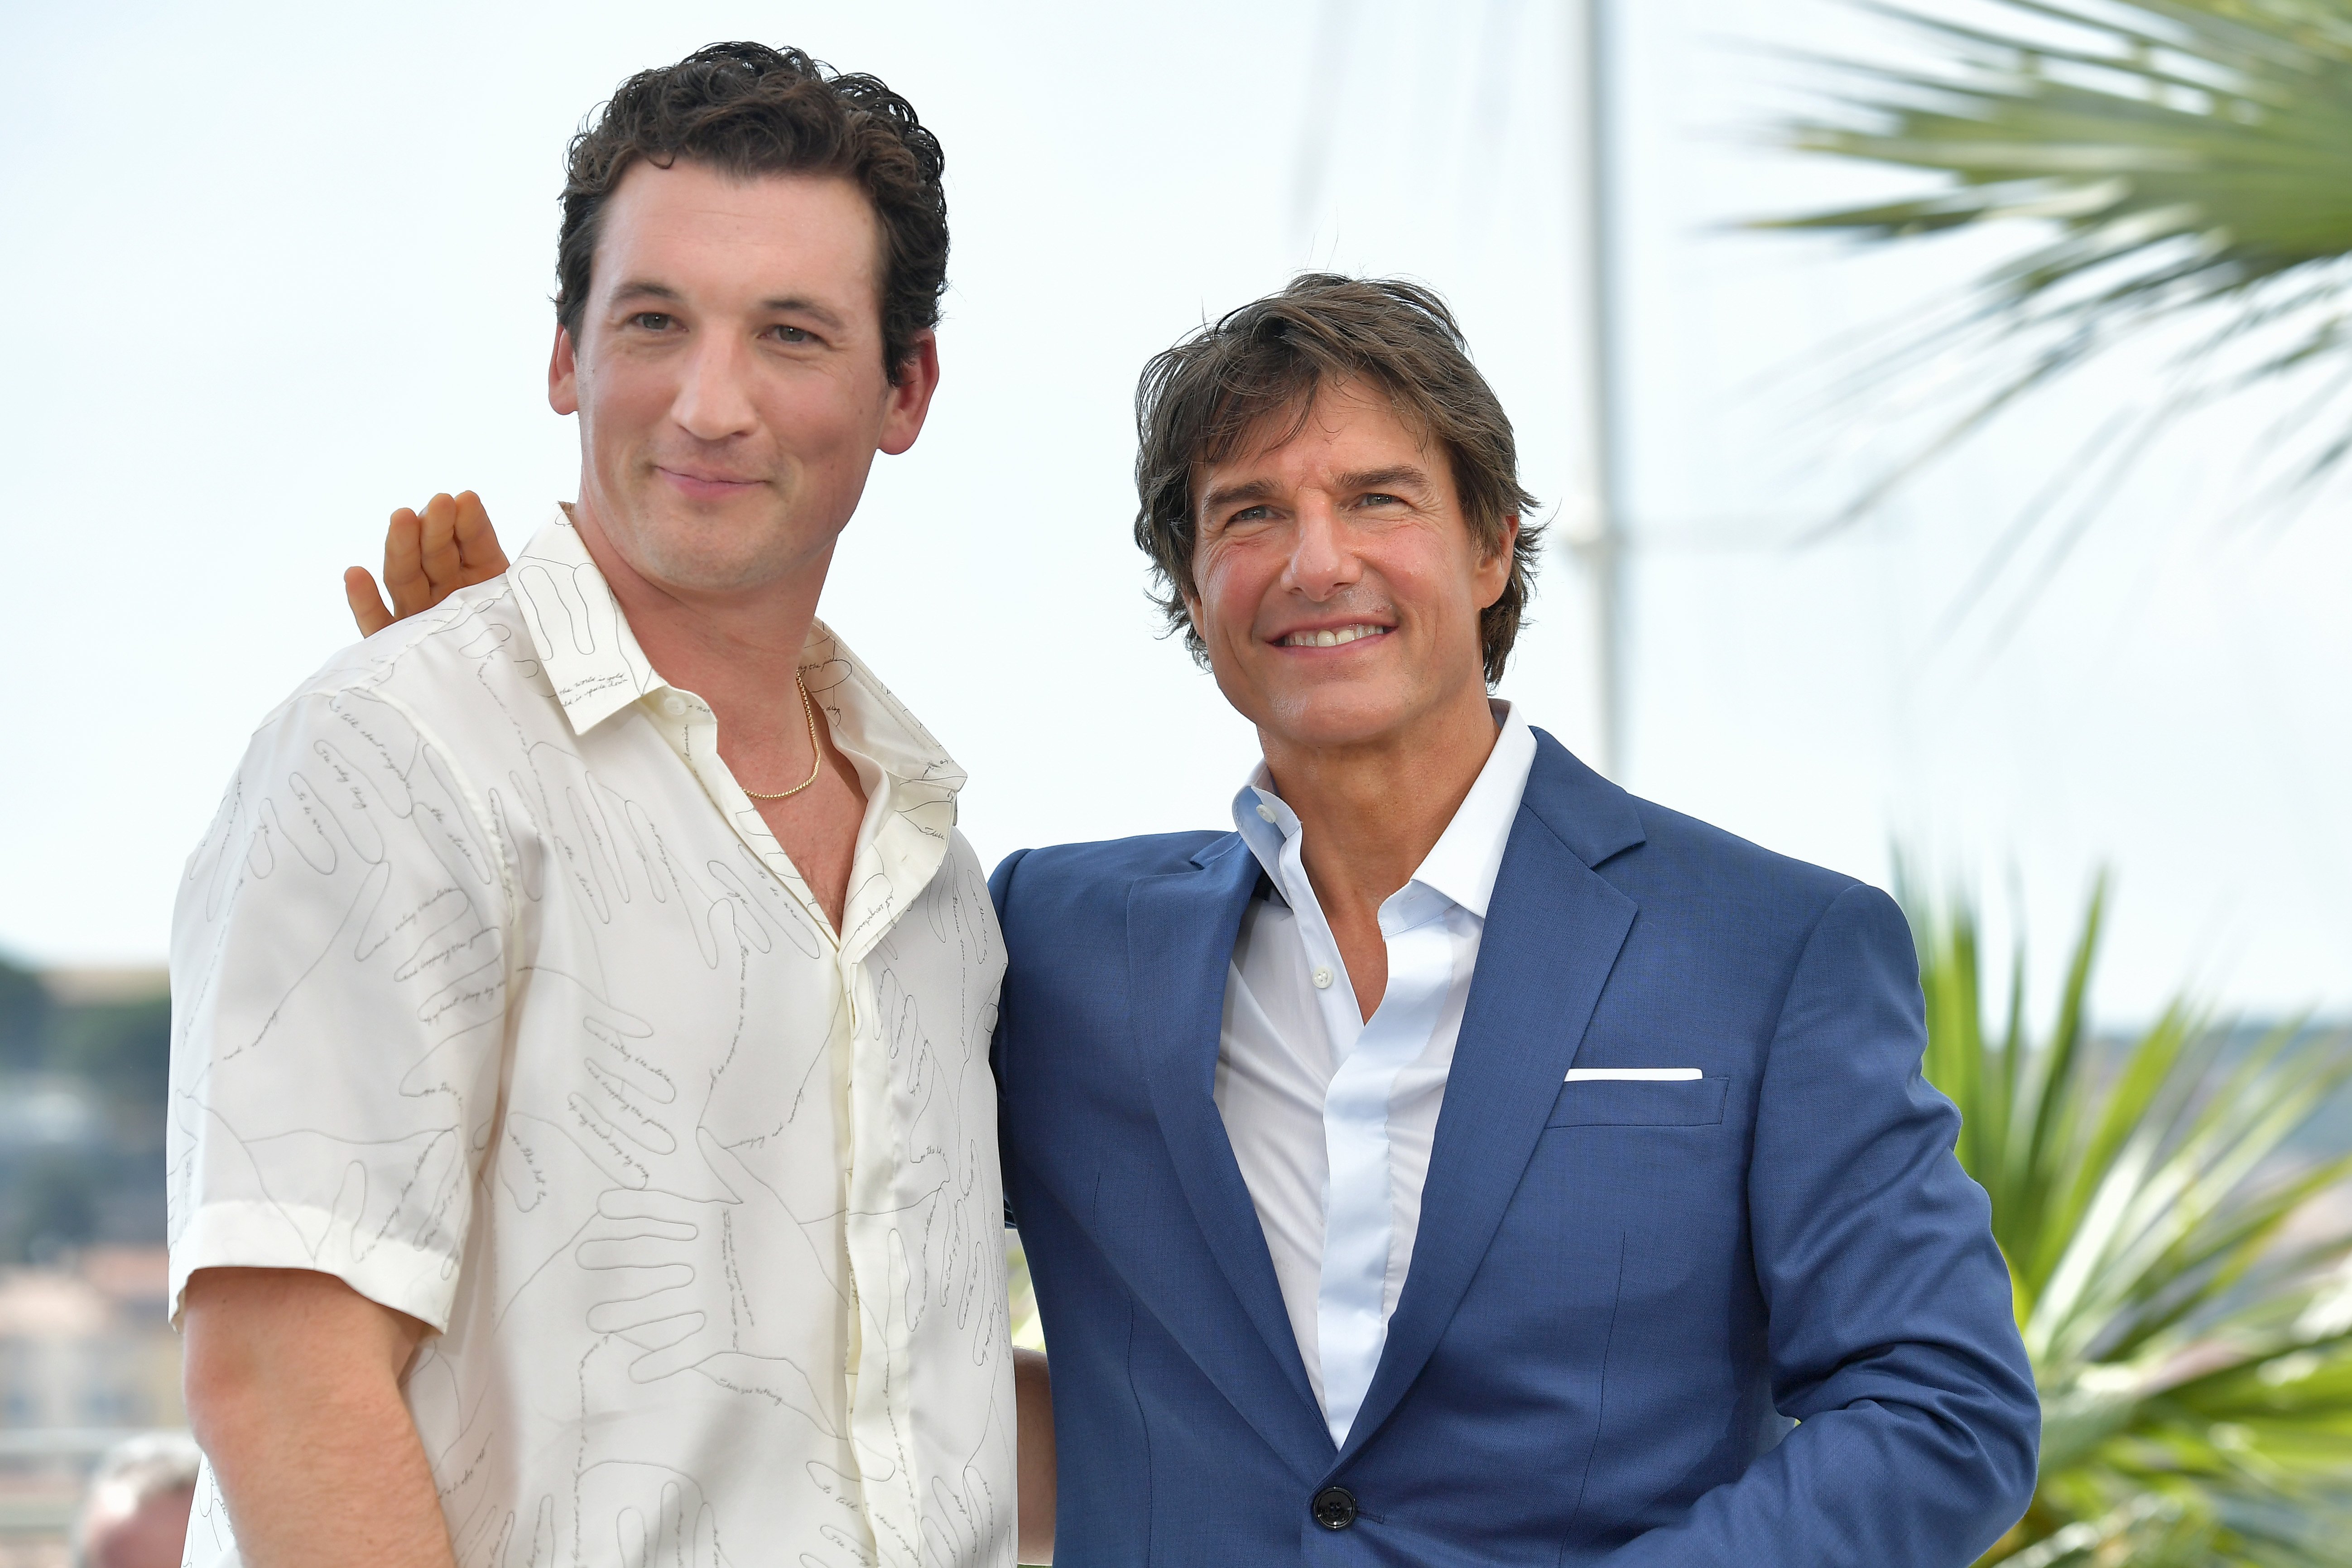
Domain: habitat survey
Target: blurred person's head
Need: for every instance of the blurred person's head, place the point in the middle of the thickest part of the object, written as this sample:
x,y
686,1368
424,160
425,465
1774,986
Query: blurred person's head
x,y
135,1513
1329,495
748,278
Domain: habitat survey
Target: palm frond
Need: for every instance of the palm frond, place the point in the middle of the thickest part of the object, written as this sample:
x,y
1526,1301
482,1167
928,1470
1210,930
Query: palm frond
x,y
2195,1361
2188,167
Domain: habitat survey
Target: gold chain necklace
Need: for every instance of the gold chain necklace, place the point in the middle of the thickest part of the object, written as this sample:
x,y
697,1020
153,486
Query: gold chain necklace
x,y
809,713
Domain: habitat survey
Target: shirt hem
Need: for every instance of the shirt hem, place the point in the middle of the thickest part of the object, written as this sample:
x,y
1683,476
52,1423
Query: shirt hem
x,y
245,1234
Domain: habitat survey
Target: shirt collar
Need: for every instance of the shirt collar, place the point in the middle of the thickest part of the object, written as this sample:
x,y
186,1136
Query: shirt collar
x,y
592,661
1467,856
869,723
582,640
910,781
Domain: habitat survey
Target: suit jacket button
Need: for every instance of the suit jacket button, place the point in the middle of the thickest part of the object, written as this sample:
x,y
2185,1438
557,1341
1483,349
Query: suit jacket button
x,y
1335,1507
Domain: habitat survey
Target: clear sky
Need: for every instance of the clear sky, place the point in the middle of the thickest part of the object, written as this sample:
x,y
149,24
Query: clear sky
x,y
279,268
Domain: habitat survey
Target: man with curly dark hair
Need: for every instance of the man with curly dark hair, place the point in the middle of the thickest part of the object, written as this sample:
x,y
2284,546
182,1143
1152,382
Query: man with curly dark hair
x,y
583,1142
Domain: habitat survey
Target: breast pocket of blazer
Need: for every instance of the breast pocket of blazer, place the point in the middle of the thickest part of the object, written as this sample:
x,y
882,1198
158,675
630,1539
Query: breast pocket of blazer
x,y
1618,1102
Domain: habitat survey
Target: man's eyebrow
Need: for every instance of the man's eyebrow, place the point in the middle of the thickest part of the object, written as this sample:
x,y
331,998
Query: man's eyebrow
x,y
785,304
1225,496
1402,475
794,304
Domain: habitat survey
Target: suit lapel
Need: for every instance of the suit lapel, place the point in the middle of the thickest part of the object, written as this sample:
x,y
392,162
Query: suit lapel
x,y
1552,933
1180,933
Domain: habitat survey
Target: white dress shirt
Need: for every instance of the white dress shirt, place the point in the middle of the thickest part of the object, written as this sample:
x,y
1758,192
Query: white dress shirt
x,y
495,997
1331,1114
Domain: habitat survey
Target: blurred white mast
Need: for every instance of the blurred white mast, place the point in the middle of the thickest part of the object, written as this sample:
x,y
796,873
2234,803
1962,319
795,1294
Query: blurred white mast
x,y
1596,526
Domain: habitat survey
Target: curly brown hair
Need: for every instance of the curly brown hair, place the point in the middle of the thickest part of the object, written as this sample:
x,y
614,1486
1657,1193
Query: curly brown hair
x,y
1198,401
749,110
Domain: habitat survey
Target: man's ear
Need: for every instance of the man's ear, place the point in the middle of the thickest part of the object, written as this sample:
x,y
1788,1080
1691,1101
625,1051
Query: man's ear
x,y
909,397
563,376
1495,568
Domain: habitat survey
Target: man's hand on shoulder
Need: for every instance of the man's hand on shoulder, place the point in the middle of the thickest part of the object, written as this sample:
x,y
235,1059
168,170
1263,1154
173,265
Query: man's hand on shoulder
x,y
427,556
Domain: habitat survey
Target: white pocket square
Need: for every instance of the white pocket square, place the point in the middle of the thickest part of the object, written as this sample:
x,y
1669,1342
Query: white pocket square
x,y
1633,1075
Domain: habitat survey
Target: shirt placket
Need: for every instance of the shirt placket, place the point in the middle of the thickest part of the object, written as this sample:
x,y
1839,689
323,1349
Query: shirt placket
x,y
1359,1191
880,1410
1335,990
862,1073
881,1404
1359,1207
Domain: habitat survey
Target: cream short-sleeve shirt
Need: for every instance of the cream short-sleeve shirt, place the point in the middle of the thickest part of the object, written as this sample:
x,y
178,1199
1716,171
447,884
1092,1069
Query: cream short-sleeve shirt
x,y
494,997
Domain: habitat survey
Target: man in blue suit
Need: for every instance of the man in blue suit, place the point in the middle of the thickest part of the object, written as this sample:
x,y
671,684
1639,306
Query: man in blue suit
x,y
1463,1160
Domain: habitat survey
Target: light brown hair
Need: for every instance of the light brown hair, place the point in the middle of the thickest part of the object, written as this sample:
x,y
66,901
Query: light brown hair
x,y
1198,401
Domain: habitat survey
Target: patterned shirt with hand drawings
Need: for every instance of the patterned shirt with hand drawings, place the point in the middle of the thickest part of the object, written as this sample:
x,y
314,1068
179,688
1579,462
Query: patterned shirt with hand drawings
x,y
495,997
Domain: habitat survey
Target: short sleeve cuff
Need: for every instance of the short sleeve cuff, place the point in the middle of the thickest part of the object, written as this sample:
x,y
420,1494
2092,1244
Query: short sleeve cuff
x,y
248,1235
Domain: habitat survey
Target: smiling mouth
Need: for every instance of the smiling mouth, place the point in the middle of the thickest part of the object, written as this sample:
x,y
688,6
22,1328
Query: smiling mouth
x,y
1333,636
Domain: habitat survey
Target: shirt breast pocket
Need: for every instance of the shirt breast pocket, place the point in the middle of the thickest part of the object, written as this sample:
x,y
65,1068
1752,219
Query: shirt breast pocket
x,y
1617,1102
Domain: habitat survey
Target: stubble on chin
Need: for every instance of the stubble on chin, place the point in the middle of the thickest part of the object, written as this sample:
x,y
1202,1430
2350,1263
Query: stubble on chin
x,y
698,562
688,550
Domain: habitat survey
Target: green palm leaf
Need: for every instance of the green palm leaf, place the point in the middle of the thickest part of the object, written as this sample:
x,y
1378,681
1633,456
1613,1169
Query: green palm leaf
x,y
2189,166
2195,1363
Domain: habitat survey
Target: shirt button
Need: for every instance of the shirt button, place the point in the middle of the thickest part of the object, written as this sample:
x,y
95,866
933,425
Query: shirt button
x,y
672,705
1264,812
1334,1508
1322,979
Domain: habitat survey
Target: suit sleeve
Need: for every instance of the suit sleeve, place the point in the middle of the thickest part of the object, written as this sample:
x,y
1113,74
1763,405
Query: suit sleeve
x,y
1000,889
1892,1335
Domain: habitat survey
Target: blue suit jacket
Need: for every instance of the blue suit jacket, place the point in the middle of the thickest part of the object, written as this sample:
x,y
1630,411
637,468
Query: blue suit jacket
x,y
1620,1293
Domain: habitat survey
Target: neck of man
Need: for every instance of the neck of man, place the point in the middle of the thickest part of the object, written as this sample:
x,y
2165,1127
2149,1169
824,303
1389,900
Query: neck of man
x,y
1372,812
740,652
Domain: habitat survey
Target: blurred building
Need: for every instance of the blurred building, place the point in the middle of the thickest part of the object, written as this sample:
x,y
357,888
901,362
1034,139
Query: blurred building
x,y
85,1061
87,1346
87,1357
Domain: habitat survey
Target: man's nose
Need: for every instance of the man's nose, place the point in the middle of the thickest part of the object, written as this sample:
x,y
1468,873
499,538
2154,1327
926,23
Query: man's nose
x,y
1321,559
714,401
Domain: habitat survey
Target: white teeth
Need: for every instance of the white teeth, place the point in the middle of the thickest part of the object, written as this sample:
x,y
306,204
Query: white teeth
x,y
1332,637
